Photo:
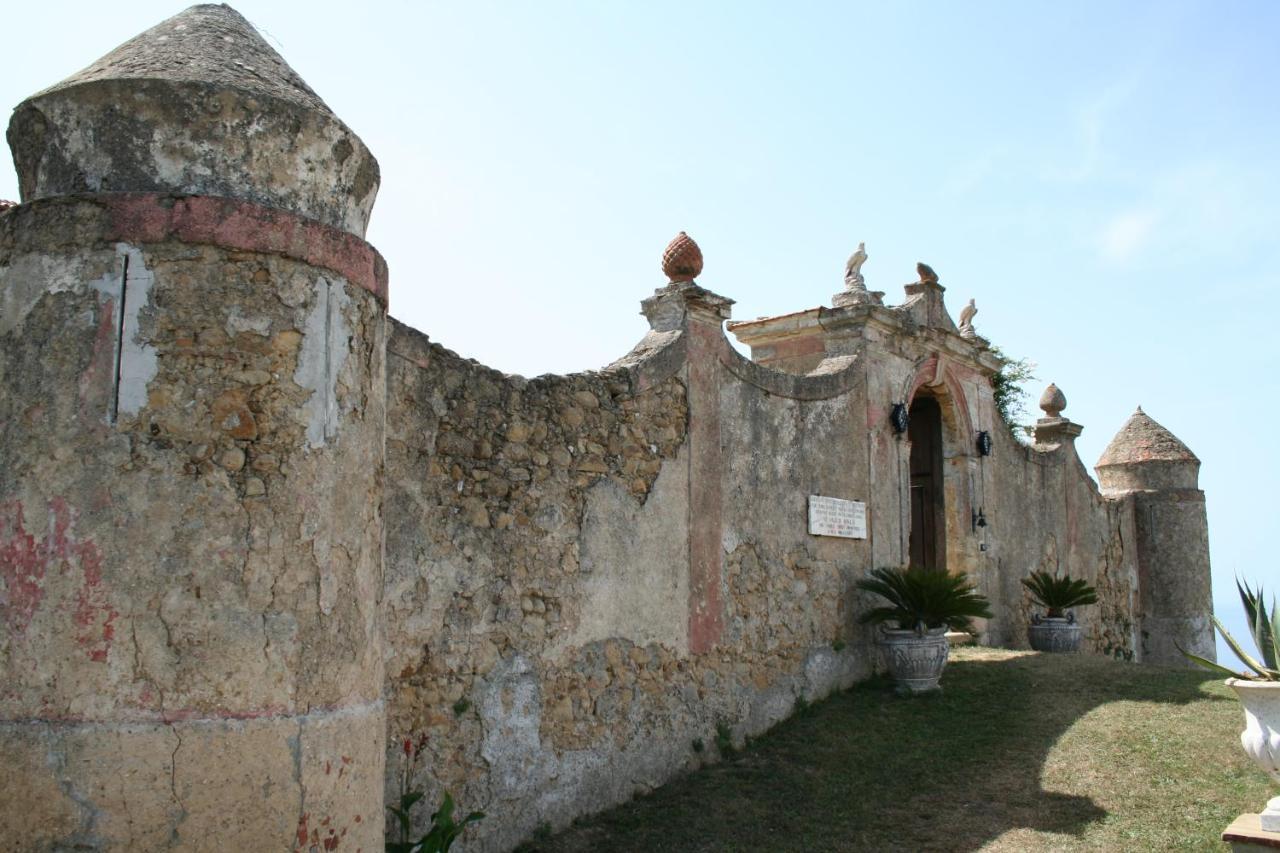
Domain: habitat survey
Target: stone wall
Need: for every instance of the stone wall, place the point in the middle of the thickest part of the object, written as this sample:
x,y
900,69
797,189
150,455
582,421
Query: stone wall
x,y
538,590
587,574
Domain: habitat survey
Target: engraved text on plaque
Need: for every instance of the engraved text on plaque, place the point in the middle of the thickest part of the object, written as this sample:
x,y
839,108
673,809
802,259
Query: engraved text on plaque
x,y
836,517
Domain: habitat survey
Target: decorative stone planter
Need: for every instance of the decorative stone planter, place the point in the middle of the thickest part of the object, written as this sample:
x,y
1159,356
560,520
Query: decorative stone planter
x,y
916,660
1054,633
1261,735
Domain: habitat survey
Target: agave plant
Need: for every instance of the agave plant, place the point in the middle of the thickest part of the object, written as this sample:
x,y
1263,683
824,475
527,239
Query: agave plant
x,y
924,598
1266,636
1059,593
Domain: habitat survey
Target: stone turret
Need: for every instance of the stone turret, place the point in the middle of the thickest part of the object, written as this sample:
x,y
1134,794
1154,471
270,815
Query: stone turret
x,y
1144,456
191,457
1149,465
199,104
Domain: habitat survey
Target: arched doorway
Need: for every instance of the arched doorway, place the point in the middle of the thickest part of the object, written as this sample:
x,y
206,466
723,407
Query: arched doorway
x,y
928,541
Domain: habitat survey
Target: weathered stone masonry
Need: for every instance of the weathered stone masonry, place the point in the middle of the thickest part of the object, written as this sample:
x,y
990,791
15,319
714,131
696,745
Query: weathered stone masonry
x,y
253,534
192,461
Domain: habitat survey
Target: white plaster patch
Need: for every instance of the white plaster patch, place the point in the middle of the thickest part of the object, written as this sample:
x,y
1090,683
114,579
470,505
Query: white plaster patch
x,y
31,276
325,338
821,673
511,707
770,706
414,615
137,366
635,563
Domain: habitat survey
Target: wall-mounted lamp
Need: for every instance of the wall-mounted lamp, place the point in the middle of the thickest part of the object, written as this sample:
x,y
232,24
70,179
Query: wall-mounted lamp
x,y
979,519
984,443
899,418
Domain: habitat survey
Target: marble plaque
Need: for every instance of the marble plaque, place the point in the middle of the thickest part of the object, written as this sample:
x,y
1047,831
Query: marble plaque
x,y
836,517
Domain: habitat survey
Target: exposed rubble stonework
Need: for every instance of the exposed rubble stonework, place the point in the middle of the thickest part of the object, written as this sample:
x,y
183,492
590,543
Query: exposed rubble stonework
x,y
254,535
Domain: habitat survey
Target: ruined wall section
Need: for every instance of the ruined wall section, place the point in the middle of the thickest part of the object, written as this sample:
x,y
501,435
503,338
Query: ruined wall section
x,y
537,583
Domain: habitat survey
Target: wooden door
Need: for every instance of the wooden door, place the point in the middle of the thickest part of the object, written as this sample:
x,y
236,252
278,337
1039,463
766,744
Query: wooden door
x,y
927,543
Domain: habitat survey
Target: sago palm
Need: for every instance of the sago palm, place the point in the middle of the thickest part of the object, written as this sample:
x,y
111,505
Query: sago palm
x,y
924,598
1059,593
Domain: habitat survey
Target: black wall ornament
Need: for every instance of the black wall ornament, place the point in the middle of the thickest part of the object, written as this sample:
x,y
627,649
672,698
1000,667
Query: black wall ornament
x,y
899,418
984,443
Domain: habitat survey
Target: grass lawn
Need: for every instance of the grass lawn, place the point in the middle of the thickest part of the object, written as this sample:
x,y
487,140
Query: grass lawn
x,y
1020,751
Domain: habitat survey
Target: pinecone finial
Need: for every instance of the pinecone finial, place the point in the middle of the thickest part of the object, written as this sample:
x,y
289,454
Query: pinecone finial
x,y
682,259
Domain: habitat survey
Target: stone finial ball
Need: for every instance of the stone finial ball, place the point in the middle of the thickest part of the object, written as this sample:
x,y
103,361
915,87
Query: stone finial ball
x,y
1053,401
682,259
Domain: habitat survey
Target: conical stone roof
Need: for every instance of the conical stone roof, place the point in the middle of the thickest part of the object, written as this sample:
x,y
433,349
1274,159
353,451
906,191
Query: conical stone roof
x,y
1141,439
201,105
211,44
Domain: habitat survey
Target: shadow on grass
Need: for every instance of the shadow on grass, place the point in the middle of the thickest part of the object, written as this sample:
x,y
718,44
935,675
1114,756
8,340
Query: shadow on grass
x,y
869,770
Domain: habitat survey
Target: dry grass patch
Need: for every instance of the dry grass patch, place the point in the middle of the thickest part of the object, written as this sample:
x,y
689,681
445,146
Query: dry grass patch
x,y
1020,752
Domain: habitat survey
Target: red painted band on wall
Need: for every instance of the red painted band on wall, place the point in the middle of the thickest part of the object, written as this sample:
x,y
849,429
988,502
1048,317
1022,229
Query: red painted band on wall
x,y
706,551
232,224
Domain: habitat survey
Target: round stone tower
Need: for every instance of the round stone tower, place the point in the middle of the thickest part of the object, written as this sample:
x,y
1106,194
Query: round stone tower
x,y
1149,465
192,338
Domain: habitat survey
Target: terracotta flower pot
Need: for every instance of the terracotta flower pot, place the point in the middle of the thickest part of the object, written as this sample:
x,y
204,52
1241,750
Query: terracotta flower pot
x,y
916,660
1054,633
1261,735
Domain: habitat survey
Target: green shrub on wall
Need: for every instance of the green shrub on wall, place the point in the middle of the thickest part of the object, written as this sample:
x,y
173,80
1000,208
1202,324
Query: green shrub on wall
x,y
1009,395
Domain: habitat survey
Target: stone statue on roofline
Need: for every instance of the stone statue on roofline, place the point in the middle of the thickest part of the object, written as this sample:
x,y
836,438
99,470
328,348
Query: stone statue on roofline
x,y
853,279
966,320
855,286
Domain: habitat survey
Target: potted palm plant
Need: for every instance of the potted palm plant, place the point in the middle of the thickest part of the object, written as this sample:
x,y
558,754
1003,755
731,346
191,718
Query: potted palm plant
x,y
1258,687
922,605
1057,630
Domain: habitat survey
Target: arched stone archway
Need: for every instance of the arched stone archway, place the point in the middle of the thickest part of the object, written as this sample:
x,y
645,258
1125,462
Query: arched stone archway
x,y
939,477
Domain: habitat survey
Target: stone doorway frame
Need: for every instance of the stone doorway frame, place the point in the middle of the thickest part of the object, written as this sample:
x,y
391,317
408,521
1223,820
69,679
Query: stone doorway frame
x,y
932,378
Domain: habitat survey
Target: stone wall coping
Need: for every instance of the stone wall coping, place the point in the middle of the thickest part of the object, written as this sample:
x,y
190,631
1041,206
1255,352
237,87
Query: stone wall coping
x,y
660,355
141,218
766,329
834,376
852,320
657,357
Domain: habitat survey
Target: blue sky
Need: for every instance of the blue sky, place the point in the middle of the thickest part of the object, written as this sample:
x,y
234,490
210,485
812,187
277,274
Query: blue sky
x,y
1104,178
